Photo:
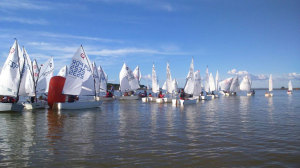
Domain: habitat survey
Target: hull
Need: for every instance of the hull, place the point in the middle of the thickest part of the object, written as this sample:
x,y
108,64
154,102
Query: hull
x,y
167,100
159,100
250,94
11,107
144,99
268,94
36,105
175,102
77,105
129,98
152,99
289,92
103,98
187,101
203,97
210,97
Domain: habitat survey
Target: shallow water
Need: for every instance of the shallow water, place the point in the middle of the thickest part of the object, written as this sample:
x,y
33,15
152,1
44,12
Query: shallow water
x,y
237,131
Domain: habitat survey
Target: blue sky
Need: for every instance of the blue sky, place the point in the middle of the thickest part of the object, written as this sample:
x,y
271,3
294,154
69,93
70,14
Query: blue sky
x,y
258,37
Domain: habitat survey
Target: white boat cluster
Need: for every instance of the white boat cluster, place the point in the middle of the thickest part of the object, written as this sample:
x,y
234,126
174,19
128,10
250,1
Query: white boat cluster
x,y
23,77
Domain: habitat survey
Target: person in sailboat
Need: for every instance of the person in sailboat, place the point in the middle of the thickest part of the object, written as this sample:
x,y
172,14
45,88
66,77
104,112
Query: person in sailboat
x,y
126,94
112,89
150,95
160,95
108,94
182,95
212,93
143,94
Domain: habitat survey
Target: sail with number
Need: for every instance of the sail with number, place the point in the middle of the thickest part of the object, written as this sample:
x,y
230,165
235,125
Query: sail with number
x,y
79,72
103,79
190,80
11,72
290,86
197,86
270,83
155,85
245,84
63,71
137,74
127,80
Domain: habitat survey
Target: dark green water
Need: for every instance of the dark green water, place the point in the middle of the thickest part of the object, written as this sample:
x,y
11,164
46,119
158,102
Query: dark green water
x,y
226,132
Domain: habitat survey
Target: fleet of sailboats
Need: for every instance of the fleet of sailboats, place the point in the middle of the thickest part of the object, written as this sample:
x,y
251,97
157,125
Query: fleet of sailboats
x,y
88,83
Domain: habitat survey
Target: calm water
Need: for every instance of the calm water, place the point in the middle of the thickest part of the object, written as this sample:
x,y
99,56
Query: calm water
x,y
226,132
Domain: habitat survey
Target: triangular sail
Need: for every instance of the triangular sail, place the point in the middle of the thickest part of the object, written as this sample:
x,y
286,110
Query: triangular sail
x,y
217,81
225,84
164,87
197,86
63,71
127,81
45,74
27,86
234,85
96,77
175,85
137,74
270,83
212,86
206,85
245,84
12,72
290,86
190,81
169,85
79,71
155,86
103,79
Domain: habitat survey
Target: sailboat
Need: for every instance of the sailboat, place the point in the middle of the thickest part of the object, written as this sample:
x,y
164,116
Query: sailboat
x,y
79,81
246,85
37,81
290,89
11,74
128,83
270,94
225,86
212,87
155,85
168,86
234,87
137,74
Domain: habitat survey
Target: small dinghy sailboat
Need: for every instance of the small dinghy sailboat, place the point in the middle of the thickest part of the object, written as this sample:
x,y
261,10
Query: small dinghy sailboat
x,y
246,85
290,88
11,74
168,86
155,87
270,94
128,84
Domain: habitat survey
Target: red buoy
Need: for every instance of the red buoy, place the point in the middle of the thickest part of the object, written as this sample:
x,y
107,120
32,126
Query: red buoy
x,y
56,86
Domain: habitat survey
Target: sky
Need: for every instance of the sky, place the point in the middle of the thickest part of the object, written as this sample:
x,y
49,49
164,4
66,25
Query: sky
x,y
235,37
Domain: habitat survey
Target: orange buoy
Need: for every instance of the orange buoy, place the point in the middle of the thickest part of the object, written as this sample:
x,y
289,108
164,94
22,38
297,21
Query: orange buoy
x,y
56,86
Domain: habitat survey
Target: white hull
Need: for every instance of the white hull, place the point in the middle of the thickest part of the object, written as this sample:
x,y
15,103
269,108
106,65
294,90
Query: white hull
x,y
175,102
289,92
129,98
250,94
167,100
203,97
187,101
268,94
77,105
144,99
152,99
159,100
210,97
36,105
11,107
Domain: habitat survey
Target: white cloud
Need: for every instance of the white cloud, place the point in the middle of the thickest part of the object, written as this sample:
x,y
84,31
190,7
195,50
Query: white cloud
x,y
24,20
252,76
24,4
294,75
147,77
235,72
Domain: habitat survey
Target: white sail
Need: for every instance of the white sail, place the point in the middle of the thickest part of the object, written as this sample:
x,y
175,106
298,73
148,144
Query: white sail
x,y
79,71
27,86
45,74
155,86
164,87
212,86
217,81
103,79
270,83
190,81
197,86
63,71
169,81
175,86
206,85
245,84
127,81
225,84
12,72
137,74
234,85
290,86
96,77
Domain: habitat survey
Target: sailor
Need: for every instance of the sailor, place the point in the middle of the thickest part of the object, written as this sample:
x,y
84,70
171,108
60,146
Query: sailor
x,y
182,94
160,95
150,95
